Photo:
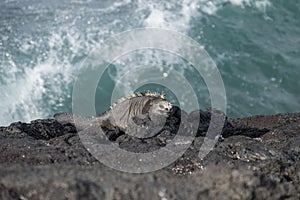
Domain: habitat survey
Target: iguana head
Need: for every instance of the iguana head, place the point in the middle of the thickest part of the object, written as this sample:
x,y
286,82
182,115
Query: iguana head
x,y
160,107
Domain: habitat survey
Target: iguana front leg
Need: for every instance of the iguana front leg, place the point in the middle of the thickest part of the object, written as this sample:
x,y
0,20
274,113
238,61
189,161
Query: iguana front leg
x,y
141,120
142,126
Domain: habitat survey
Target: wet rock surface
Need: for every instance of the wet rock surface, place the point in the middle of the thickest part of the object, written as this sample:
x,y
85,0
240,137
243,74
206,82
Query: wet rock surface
x,y
255,158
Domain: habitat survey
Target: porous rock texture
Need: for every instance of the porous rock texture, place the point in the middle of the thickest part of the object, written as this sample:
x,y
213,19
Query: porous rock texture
x,y
255,158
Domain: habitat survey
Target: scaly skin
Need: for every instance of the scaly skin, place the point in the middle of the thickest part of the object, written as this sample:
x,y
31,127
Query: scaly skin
x,y
140,114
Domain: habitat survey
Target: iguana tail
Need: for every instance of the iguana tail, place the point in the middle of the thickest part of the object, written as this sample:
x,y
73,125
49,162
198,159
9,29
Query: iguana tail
x,y
80,122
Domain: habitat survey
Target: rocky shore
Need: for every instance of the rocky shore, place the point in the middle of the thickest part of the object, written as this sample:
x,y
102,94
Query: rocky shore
x,y
256,158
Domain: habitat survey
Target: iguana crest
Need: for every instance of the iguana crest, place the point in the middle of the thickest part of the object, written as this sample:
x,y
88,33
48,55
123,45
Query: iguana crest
x,y
140,94
142,114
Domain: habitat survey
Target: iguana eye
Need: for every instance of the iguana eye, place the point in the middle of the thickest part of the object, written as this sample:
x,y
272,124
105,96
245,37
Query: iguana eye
x,y
161,106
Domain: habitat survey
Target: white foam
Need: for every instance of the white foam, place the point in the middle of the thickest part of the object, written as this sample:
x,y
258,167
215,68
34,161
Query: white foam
x,y
239,2
263,4
174,15
26,86
156,19
209,8
165,15
23,99
259,4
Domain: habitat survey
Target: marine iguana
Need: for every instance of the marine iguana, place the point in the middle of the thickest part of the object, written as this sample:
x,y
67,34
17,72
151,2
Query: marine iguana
x,y
142,114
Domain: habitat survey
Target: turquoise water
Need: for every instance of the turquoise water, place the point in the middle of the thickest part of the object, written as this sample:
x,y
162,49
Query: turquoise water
x,y
255,44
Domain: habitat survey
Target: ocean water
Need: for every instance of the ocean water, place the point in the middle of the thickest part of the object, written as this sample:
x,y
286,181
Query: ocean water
x,y
254,43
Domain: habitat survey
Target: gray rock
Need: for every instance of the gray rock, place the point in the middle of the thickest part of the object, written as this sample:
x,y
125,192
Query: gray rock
x,y
257,158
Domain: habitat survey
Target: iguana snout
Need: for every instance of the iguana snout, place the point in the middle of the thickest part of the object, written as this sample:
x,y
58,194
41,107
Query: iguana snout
x,y
161,107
